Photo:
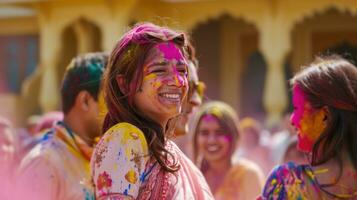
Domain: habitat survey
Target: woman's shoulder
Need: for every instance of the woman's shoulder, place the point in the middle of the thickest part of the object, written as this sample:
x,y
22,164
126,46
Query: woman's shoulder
x,y
124,133
286,181
119,161
289,169
121,140
246,166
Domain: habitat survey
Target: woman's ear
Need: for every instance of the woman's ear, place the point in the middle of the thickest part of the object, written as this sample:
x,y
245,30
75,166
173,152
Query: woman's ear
x,y
121,83
326,112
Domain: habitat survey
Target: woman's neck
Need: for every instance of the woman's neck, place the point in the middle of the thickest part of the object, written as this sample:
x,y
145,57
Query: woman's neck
x,y
341,179
216,173
219,167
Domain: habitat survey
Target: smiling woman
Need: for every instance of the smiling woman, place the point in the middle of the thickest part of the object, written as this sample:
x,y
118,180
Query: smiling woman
x,y
325,116
216,134
145,86
165,83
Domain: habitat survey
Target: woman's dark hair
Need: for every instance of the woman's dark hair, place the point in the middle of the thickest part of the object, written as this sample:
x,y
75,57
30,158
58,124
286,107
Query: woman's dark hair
x,y
127,59
332,82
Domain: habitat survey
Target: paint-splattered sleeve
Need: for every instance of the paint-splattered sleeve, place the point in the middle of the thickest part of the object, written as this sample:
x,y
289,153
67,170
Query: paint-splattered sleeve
x,y
286,182
118,162
275,187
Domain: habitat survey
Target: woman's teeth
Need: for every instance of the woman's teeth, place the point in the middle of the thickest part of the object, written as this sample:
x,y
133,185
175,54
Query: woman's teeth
x,y
171,96
213,148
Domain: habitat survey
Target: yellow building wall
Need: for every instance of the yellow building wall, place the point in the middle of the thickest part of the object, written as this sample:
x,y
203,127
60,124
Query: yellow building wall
x,y
274,22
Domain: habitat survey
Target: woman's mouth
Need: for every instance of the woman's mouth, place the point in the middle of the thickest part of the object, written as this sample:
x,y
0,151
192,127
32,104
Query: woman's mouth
x,y
170,97
212,148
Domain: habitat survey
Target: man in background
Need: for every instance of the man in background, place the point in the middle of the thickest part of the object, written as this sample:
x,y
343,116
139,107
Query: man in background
x,y
58,166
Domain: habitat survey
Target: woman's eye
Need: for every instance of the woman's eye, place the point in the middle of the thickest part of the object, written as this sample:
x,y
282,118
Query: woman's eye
x,y
158,71
220,133
183,72
203,133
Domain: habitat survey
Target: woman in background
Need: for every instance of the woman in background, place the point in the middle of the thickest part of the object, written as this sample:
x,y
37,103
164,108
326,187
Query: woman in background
x,y
325,116
215,137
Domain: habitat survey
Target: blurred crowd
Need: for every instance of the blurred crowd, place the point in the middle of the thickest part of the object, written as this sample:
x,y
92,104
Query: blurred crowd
x,y
51,156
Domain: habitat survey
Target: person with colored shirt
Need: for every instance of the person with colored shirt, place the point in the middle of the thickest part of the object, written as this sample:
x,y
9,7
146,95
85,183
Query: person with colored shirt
x,y
145,86
182,136
58,166
325,116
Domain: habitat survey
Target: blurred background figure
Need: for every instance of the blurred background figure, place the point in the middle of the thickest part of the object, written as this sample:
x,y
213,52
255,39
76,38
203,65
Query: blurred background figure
x,y
35,129
7,156
216,134
25,136
281,139
194,99
47,120
251,145
58,166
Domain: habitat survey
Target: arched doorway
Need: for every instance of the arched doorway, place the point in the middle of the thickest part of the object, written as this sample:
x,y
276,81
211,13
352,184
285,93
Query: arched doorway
x,y
332,31
227,49
81,36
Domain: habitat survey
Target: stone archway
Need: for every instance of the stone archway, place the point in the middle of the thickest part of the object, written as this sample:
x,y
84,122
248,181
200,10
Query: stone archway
x,y
81,36
346,49
321,34
224,47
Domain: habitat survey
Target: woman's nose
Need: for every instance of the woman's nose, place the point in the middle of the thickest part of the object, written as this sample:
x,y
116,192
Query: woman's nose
x,y
176,79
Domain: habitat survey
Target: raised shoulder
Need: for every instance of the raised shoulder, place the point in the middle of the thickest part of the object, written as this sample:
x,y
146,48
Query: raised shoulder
x,y
286,182
118,162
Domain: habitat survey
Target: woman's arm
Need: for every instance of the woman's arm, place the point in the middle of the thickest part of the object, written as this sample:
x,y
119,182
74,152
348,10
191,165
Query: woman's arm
x,y
118,162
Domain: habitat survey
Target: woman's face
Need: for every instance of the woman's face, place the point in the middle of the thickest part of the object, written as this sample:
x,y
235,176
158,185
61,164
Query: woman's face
x,y
309,122
164,84
214,143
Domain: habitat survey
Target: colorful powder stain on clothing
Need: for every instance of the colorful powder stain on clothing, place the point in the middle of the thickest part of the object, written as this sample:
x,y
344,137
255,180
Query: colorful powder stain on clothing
x,y
131,176
130,132
289,182
104,181
88,195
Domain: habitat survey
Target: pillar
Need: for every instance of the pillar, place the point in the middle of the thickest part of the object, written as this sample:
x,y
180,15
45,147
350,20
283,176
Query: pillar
x,y
274,44
50,43
229,63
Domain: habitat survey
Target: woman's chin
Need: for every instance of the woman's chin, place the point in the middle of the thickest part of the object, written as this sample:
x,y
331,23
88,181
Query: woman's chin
x,y
304,144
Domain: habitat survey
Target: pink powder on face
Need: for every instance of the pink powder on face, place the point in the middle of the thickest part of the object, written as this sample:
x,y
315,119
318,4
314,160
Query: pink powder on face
x,y
209,119
170,51
307,120
304,142
299,104
174,55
